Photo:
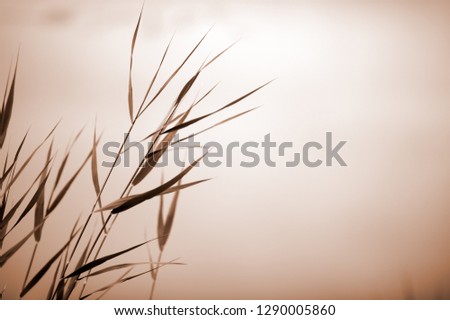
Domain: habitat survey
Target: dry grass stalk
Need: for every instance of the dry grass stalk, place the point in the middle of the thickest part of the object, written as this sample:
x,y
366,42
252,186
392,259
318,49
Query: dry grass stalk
x,y
80,258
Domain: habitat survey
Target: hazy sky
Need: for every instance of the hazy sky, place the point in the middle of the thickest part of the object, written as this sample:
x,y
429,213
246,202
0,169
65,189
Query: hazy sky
x,y
376,74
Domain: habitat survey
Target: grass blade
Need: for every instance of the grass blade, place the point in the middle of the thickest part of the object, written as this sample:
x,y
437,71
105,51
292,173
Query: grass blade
x,y
188,123
45,268
184,186
30,264
2,212
152,158
72,281
170,218
59,292
7,108
123,279
122,266
131,201
130,81
180,115
104,259
186,88
2,292
217,56
8,254
108,287
55,276
25,164
39,210
32,202
161,89
64,161
152,82
5,94
16,156
5,171
95,180
160,228
215,125
12,211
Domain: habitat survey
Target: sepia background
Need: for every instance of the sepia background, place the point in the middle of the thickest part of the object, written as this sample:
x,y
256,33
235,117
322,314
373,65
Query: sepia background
x,y
375,73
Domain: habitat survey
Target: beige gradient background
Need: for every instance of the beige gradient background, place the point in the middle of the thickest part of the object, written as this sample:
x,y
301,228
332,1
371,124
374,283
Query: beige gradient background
x,y
375,73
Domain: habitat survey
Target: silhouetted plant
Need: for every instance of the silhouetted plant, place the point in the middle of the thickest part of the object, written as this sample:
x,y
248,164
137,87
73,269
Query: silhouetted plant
x,y
80,256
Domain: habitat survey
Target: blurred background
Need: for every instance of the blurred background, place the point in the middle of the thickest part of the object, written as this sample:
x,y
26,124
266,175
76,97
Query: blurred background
x,y
375,73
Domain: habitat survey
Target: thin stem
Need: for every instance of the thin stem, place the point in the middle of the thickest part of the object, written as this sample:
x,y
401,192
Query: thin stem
x,y
128,187
127,135
29,265
129,184
101,190
152,291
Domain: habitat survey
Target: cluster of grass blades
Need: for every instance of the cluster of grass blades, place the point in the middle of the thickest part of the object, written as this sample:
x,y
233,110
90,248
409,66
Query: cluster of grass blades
x,y
80,257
